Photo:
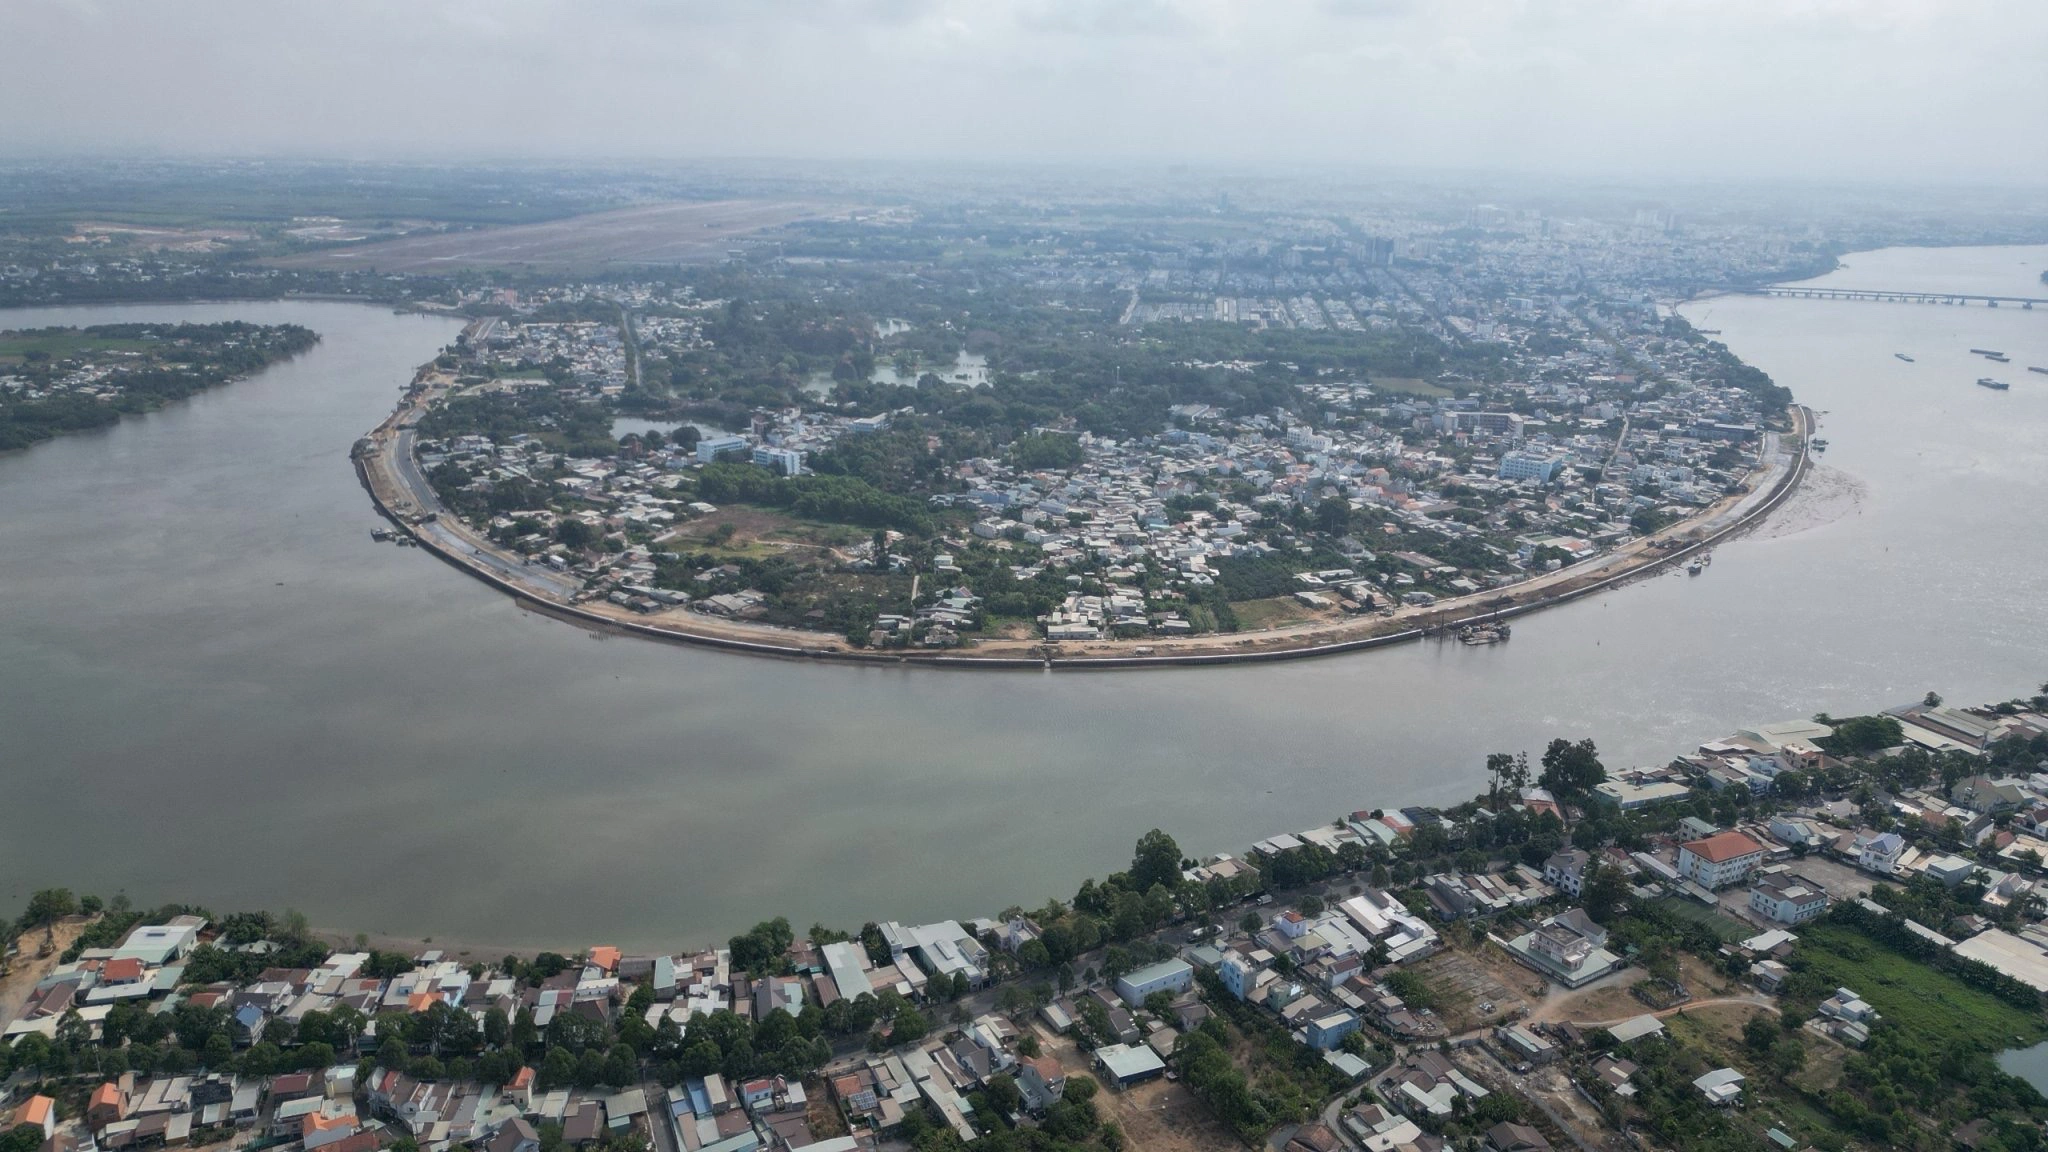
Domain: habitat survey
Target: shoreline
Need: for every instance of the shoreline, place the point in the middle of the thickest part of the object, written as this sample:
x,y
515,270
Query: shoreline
x,y
382,461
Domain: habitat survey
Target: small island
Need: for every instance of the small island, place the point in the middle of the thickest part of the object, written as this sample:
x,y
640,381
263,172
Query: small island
x,y
59,380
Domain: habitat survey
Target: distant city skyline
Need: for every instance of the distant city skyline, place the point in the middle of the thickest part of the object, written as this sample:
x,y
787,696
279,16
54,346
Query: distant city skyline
x,y
1915,91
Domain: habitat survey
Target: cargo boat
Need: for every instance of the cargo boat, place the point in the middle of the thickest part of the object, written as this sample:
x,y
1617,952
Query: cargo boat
x,y
1994,385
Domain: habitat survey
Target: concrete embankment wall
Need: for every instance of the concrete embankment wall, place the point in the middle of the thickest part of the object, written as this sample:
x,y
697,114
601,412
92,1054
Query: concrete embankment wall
x,y
1786,485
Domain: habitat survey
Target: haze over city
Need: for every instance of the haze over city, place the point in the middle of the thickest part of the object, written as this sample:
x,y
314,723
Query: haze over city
x,y
1922,91
1023,575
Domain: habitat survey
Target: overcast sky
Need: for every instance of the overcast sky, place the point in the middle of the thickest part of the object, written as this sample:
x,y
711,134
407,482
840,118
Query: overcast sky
x,y
1918,90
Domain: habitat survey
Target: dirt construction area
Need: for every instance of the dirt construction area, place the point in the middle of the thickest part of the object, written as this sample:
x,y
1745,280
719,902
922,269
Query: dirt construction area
x,y
29,967
1478,988
1160,1116
679,233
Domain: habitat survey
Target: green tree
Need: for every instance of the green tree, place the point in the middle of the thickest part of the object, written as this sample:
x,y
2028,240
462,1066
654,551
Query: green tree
x,y
1571,770
1157,861
48,906
1604,890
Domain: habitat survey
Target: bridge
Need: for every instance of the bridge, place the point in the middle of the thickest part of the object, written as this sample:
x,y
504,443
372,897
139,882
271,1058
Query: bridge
x,y
1963,298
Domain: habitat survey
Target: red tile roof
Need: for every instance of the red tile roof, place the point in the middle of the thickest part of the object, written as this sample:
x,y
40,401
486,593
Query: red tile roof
x,y
1723,846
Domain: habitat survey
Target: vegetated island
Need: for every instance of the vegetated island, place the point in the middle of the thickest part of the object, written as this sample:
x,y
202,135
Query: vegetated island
x,y
1364,511
59,380
1820,928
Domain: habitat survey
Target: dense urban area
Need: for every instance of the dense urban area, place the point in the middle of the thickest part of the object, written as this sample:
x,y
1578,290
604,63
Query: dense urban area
x,y
1818,933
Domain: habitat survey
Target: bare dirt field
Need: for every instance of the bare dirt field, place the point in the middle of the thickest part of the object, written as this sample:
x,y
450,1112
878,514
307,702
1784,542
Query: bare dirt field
x,y
29,967
1163,1117
679,233
1475,989
1159,1116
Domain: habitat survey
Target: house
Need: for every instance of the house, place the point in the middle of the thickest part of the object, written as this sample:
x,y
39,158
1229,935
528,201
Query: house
x,y
1950,870
1427,1084
1719,860
1881,853
1329,1030
1787,898
1237,970
1382,1131
1796,833
324,1129
1636,1028
1042,1080
158,944
1166,976
515,1136
1567,869
1525,1044
108,1104
1722,1086
1314,1138
1510,1137
1569,948
39,1112
1616,1074
1128,1064
584,1126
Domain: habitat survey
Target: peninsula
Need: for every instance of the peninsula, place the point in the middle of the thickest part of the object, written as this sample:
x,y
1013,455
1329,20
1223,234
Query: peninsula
x,y
794,460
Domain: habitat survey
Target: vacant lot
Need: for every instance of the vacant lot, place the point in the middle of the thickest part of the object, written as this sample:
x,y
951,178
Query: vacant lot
x,y
1924,1000
1473,990
1272,613
1155,1117
759,533
645,234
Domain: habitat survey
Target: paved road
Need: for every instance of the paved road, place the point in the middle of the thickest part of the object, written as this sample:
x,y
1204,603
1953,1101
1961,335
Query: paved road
x,y
459,541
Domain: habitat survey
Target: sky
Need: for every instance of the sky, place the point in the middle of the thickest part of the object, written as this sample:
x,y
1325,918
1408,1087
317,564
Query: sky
x,y
1920,91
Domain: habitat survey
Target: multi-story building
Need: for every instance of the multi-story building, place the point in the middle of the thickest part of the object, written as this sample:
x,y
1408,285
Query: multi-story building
x,y
1787,898
1719,860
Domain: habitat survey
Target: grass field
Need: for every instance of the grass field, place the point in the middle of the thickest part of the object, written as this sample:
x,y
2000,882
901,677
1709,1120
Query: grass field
x,y
14,346
1270,613
1728,929
1408,385
1911,994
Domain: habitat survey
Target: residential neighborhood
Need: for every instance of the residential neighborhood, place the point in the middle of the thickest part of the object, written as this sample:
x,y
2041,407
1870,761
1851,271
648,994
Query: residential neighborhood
x,y
1543,967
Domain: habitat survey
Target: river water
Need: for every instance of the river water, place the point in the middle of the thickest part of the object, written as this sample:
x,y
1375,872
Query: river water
x,y
215,687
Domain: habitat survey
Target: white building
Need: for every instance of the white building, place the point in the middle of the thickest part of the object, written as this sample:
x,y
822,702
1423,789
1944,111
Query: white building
x,y
1719,860
1787,898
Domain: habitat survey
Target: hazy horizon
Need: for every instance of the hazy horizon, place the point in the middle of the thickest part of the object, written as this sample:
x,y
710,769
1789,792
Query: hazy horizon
x,y
1915,92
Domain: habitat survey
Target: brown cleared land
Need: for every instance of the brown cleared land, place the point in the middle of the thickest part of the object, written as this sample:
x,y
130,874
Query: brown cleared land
x,y
678,233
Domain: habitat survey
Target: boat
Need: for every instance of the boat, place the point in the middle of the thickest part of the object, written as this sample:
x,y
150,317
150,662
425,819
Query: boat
x,y
1820,445
1903,356
1706,559
1999,359
1985,352
1994,385
1484,634
2042,371
1695,568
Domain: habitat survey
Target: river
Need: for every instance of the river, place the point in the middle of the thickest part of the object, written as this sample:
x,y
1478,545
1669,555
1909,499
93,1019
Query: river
x,y
215,687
